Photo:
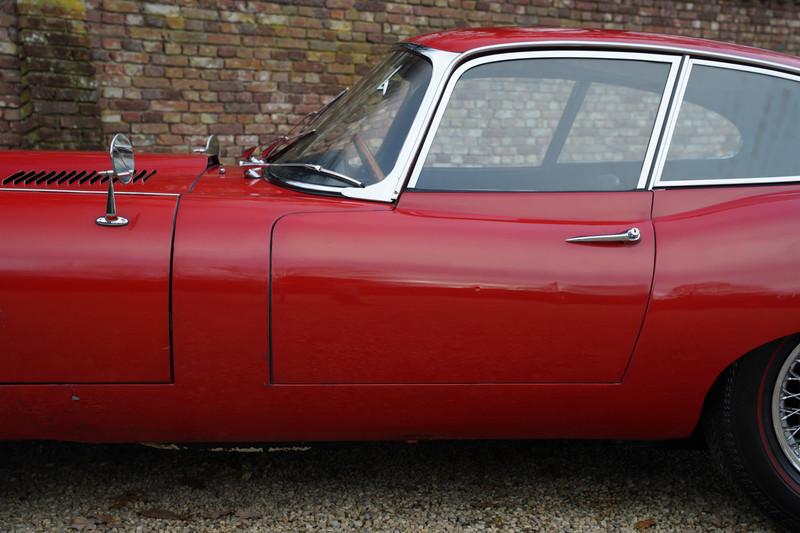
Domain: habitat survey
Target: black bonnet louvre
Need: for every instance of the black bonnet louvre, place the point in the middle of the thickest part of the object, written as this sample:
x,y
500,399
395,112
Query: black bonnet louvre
x,y
43,179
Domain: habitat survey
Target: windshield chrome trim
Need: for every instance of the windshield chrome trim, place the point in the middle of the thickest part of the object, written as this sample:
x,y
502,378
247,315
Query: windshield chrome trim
x,y
661,114
388,189
658,182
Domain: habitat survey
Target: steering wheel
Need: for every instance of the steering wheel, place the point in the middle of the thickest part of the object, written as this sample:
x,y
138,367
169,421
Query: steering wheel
x,y
365,154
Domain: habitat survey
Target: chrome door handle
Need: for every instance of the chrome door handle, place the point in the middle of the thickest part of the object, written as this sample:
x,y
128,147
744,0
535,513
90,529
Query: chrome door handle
x,y
632,235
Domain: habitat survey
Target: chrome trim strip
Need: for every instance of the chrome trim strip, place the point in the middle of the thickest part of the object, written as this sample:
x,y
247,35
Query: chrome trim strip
x,y
673,119
388,189
674,61
726,181
104,193
661,114
644,47
747,68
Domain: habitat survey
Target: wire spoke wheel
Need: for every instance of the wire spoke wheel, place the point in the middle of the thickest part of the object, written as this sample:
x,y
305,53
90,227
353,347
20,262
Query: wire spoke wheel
x,y
786,408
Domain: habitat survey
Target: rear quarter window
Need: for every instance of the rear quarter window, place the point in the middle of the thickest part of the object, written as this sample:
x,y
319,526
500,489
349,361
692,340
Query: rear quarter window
x,y
735,124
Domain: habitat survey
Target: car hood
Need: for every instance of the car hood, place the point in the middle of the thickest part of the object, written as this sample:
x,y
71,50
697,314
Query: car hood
x,y
62,170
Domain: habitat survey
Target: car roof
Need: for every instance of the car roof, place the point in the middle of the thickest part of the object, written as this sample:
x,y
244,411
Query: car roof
x,y
472,39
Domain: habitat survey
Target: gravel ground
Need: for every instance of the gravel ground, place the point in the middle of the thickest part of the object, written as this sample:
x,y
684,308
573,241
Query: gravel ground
x,y
434,486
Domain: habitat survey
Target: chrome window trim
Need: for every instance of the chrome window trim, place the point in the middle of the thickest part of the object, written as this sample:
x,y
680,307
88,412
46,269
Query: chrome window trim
x,y
388,189
663,149
746,68
661,113
641,47
661,160
725,181
655,133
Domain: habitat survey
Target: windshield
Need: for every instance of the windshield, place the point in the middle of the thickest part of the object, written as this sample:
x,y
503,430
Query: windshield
x,y
360,135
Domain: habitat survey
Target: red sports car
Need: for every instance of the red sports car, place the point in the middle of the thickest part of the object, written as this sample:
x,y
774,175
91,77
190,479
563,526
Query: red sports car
x,y
497,233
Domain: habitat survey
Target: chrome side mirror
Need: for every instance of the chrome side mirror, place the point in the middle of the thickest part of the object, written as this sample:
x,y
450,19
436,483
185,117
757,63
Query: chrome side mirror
x,y
211,150
212,146
121,152
123,169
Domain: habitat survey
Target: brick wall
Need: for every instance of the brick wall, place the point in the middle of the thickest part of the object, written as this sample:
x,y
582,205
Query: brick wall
x,y
171,72
59,107
9,77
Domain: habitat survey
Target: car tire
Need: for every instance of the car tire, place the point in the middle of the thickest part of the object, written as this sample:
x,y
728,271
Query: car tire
x,y
743,440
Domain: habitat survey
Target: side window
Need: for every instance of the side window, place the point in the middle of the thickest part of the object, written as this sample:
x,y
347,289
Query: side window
x,y
735,124
493,121
613,124
546,125
703,134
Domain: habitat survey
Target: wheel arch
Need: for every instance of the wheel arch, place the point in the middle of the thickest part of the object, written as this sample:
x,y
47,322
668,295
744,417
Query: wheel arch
x,y
718,383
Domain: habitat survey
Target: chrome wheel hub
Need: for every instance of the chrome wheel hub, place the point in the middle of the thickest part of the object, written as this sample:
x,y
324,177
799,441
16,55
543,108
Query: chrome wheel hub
x,y
786,408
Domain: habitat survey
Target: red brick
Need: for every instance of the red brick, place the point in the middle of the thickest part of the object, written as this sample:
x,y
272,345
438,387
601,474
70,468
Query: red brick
x,y
252,69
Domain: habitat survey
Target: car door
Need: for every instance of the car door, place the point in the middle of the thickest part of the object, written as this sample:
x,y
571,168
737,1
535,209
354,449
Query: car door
x,y
521,251
79,302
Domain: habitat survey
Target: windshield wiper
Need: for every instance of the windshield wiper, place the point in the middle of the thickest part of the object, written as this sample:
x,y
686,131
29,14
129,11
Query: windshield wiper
x,y
309,166
314,114
283,143
308,120
320,170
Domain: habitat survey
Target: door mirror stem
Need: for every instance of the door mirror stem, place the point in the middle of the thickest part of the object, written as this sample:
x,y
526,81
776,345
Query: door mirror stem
x,y
123,169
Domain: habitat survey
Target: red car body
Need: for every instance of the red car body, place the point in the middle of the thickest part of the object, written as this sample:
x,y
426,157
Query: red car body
x,y
235,309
